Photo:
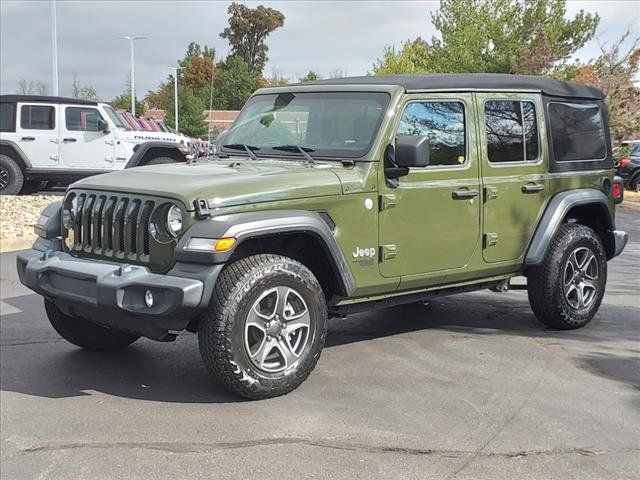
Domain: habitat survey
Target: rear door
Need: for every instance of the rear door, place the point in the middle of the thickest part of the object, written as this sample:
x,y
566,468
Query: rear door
x,y
430,218
82,143
514,165
37,134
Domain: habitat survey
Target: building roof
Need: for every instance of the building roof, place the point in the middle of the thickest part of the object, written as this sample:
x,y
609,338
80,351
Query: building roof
x,y
44,99
471,81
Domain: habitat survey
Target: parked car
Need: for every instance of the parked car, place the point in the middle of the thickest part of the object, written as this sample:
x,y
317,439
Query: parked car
x,y
629,167
63,139
334,197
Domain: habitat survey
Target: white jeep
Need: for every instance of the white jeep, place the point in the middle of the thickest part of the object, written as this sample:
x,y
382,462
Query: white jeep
x,y
59,140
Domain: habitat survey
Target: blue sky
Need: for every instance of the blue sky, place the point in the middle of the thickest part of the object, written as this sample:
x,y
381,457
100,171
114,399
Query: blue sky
x,y
322,36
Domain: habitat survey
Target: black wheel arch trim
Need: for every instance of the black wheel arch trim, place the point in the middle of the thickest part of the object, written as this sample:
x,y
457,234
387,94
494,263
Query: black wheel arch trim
x,y
250,225
141,150
556,211
19,155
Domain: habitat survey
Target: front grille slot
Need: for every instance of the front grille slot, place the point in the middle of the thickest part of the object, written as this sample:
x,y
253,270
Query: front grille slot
x,y
111,226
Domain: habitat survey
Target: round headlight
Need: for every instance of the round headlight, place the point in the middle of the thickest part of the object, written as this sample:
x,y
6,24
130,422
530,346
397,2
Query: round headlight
x,y
174,220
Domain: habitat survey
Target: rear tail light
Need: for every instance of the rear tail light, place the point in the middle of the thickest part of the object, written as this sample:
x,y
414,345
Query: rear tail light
x,y
618,190
624,162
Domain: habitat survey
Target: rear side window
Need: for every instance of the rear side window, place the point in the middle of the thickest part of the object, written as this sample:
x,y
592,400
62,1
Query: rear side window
x,y
81,119
443,123
37,117
577,132
512,131
7,117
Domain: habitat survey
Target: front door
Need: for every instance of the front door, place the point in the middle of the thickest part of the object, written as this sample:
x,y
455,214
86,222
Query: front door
x,y
82,144
514,163
37,132
430,218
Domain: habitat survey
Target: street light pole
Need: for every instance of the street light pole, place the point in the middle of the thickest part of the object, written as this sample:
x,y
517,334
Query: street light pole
x,y
54,46
175,94
133,38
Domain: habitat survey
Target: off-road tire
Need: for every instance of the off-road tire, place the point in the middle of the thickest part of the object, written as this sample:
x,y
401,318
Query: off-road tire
x,y
634,184
546,281
160,161
85,334
12,176
221,329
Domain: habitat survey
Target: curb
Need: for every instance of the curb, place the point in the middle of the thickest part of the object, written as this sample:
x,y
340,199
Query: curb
x,y
630,206
13,244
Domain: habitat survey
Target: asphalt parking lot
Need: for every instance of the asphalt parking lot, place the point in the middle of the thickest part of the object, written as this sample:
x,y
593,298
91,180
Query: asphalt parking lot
x,y
467,387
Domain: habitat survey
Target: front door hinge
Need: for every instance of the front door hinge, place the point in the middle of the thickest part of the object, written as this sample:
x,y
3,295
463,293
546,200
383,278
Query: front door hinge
x,y
389,252
490,239
490,193
202,208
387,200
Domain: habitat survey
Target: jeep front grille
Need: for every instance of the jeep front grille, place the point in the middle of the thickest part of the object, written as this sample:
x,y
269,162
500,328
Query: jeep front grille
x,y
110,225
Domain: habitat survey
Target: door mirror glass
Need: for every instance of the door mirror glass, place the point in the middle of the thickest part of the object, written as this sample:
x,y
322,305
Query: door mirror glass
x,y
412,151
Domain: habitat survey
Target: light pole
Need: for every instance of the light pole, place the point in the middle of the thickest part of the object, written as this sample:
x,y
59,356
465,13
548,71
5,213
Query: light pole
x,y
54,46
175,94
132,38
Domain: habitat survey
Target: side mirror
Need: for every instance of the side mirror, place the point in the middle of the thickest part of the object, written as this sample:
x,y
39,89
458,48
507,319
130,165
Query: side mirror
x,y
412,151
103,126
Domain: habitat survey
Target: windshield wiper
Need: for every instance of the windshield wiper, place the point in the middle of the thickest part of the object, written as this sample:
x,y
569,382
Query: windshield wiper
x,y
243,146
297,148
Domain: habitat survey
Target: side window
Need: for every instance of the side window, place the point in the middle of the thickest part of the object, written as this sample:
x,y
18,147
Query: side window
x,y
7,117
512,131
577,132
81,119
37,117
443,122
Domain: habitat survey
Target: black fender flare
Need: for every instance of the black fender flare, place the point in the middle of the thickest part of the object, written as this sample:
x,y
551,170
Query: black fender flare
x,y
556,211
173,150
18,154
248,225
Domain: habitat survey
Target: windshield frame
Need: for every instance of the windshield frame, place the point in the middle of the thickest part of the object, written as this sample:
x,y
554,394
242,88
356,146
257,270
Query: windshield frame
x,y
318,153
113,116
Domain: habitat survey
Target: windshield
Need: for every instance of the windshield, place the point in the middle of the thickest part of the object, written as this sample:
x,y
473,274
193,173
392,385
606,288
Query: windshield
x,y
114,117
333,124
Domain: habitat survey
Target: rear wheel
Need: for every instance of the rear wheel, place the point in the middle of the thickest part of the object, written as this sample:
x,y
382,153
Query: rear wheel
x,y
565,292
85,334
11,176
266,328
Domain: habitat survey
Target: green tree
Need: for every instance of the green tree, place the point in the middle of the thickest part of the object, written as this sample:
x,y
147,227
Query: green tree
x,y
234,83
504,36
123,101
191,112
310,76
248,30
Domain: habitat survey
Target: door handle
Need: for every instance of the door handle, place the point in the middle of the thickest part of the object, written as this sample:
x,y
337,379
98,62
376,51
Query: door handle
x,y
68,140
464,194
532,188
28,139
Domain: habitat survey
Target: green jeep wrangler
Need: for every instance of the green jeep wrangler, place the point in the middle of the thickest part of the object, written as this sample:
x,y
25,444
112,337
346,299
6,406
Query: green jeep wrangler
x,y
333,197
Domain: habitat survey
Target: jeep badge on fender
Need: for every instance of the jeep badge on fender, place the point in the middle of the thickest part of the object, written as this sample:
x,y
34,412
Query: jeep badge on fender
x,y
478,178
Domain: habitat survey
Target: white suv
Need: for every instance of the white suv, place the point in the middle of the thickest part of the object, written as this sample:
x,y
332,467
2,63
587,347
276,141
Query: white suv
x,y
55,139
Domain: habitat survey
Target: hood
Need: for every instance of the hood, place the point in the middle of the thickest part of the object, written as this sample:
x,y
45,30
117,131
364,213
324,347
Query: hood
x,y
223,183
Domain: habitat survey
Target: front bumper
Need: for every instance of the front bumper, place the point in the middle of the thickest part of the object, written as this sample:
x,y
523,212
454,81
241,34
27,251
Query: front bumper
x,y
114,294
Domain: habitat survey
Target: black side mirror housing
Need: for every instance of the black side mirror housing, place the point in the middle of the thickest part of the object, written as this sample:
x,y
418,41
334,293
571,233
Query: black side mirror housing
x,y
412,151
103,126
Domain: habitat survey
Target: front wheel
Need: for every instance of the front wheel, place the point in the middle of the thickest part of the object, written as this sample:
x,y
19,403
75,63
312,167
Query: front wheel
x,y
85,334
565,292
11,176
266,327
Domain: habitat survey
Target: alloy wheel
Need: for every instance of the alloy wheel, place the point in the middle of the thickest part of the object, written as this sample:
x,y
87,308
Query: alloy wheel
x,y
580,278
4,178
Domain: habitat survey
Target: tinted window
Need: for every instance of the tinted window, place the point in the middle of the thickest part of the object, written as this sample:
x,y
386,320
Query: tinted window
x,y
332,123
81,119
512,131
7,117
37,117
443,123
577,132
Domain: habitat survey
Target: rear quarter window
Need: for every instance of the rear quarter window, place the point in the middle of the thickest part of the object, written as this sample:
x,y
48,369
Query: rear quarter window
x,y
7,117
577,132
37,117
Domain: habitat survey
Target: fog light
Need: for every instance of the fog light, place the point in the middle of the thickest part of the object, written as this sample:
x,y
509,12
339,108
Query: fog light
x,y
148,298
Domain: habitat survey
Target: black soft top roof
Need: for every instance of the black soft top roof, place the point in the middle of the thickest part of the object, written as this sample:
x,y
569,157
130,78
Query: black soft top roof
x,y
43,99
471,81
